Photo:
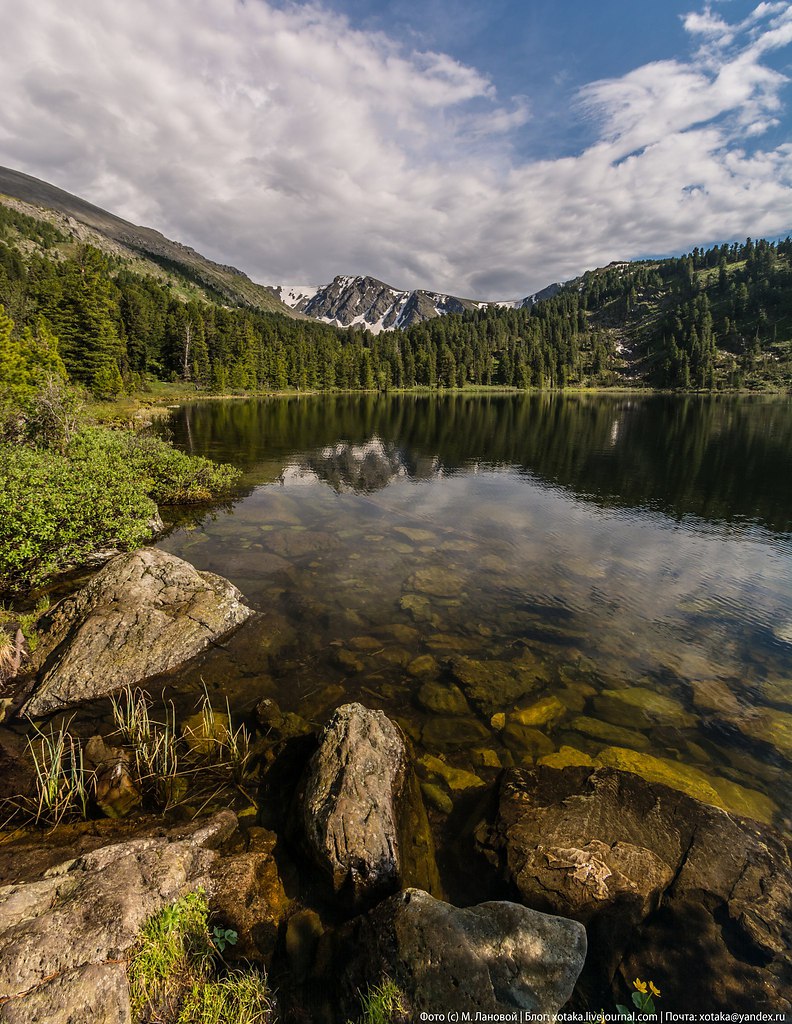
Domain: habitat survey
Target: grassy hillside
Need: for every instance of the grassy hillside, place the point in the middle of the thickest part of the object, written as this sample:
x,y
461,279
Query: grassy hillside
x,y
148,251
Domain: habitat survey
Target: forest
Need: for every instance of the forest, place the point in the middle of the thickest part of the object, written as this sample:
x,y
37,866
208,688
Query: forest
x,y
715,319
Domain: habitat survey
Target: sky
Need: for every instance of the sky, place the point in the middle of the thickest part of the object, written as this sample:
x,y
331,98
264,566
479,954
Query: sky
x,y
481,149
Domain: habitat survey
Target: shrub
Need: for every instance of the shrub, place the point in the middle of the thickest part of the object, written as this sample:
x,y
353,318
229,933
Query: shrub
x,y
54,511
100,491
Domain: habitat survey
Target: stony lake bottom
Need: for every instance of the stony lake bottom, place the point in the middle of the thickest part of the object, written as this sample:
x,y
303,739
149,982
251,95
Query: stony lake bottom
x,y
514,578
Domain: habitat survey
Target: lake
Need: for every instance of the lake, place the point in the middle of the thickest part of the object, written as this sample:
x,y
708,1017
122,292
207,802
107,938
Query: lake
x,y
515,578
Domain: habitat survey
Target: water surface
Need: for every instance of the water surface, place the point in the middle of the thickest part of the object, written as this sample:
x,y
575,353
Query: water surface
x,y
630,557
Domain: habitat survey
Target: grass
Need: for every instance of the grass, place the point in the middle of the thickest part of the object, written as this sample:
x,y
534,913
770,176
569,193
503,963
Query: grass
x,y
63,784
381,1004
176,974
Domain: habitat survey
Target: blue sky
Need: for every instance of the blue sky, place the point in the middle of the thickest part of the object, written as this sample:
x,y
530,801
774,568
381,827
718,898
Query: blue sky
x,y
481,149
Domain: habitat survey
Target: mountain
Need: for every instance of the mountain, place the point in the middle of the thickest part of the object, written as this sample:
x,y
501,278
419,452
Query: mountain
x,y
376,306
150,250
372,304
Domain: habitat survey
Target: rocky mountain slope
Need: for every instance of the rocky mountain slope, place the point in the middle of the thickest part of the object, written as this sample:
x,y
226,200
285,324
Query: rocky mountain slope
x,y
106,231
371,304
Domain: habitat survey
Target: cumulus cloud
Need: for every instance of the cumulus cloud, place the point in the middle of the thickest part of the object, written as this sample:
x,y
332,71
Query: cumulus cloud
x,y
288,143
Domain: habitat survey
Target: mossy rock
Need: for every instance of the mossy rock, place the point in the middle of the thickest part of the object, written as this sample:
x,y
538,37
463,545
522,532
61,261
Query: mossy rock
x,y
457,779
485,757
613,735
435,796
545,712
567,757
637,705
203,736
768,726
683,777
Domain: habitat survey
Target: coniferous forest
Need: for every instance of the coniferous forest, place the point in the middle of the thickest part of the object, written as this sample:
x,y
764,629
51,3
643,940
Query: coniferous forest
x,y
715,319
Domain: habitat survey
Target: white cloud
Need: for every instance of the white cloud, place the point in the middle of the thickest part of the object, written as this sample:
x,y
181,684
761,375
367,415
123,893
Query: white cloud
x,y
289,144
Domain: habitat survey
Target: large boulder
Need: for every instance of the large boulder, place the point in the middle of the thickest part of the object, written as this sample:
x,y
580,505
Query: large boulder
x,y
497,958
362,812
663,882
64,935
144,613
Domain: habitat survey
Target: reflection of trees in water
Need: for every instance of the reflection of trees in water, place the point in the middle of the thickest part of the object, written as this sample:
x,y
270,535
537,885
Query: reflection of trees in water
x,y
718,458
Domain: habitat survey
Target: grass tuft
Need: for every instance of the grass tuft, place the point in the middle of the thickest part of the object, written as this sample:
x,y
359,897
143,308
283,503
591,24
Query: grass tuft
x,y
382,1004
173,973
63,783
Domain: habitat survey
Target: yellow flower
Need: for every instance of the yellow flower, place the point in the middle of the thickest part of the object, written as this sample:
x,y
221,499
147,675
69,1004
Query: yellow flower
x,y
655,991
640,985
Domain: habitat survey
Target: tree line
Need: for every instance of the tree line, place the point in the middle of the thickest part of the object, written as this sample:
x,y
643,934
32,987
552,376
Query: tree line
x,y
706,320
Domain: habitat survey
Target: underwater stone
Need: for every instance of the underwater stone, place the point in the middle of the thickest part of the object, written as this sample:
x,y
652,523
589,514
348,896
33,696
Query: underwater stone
x,y
638,704
545,712
490,686
567,757
443,699
456,779
423,665
612,735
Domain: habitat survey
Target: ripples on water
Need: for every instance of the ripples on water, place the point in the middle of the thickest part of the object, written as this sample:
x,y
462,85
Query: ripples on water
x,y
629,557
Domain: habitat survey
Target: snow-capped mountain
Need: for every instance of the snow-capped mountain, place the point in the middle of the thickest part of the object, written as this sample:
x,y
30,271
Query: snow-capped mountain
x,y
376,306
369,303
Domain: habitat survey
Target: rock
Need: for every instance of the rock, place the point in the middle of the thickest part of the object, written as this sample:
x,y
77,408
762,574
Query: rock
x,y
713,695
437,797
710,789
443,699
423,665
206,734
490,686
659,879
279,725
456,779
144,613
768,726
454,732
485,757
63,936
545,712
348,661
249,894
437,581
493,958
637,706
365,643
566,757
115,791
613,735
418,606
362,812
524,740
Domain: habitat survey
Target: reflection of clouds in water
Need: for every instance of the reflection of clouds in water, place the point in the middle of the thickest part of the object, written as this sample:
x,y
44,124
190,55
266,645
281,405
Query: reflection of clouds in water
x,y
646,590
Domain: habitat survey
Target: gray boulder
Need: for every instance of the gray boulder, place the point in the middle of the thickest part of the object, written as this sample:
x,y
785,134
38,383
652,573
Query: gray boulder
x,y
661,881
362,812
144,613
64,936
496,957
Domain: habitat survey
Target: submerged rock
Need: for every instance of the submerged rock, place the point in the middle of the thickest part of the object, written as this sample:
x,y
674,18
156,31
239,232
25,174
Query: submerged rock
x,y
362,812
64,936
660,879
637,706
496,957
144,613
490,686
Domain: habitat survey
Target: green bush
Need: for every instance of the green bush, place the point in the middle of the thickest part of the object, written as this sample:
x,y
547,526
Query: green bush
x,y
55,509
